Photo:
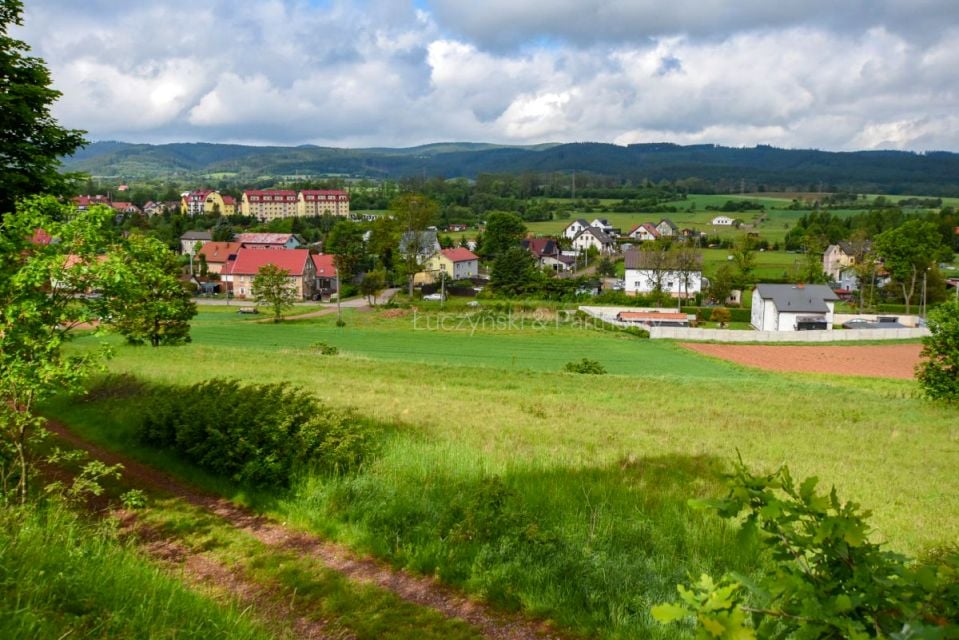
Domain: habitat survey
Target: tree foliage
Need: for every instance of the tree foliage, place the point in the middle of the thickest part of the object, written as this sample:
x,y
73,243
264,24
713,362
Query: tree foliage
x,y
907,251
514,272
31,140
144,298
938,373
828,579
273,288
503,232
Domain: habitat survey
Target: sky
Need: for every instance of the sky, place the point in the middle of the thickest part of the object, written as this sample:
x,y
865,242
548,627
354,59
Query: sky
x,y
826,74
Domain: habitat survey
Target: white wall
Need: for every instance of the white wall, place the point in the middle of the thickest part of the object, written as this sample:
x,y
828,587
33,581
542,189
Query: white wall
x,y
731,335
641,281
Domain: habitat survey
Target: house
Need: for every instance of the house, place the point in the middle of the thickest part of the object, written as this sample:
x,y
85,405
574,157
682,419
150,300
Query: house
x,y
326,281
793,307
424,243
665,227
239,274
319,202
218,254
152,208
839,256
229,206
547,254
644,232
82,203
722,221
457,227
269,240
603,225
457,264
189,240
269,204
575,228
646,269
125,207
593,237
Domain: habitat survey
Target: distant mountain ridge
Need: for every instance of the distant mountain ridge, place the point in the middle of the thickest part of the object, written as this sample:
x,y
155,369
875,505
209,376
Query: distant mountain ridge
x,y
931,173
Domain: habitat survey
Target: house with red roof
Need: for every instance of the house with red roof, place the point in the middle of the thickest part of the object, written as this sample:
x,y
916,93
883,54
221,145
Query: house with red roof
x,y
326,282
457,264
644,232
218,254
238,274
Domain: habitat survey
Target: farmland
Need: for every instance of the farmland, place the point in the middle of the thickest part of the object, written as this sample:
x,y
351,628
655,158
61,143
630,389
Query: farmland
x,y
599,466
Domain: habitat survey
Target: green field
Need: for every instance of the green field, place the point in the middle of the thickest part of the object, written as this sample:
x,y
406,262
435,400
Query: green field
x,y
572,488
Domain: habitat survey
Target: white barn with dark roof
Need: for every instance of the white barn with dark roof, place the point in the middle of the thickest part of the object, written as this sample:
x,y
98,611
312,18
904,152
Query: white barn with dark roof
x,y
793,307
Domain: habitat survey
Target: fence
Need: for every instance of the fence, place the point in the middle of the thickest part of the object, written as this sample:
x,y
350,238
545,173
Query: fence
x,y
837,335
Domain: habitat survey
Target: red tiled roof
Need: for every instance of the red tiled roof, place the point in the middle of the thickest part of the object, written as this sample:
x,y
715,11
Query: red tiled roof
x,y
316,194
216,252
275,195
460,254
651,315
325,267
40,237
248,261
229,200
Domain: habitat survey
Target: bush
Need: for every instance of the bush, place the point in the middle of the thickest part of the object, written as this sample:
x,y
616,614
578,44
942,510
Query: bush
x,y
324,349
585,366
257,435
938,373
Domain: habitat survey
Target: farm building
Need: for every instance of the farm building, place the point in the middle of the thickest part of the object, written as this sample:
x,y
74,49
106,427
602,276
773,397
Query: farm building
x,y
793,307
722,221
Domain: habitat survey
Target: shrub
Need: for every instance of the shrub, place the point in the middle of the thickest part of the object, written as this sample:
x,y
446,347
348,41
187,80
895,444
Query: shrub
x,y
938,373
585,366
828,580
721,315
324,349
257,434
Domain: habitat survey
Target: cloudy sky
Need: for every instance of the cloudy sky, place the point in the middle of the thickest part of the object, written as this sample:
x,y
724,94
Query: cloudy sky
x,y
830,74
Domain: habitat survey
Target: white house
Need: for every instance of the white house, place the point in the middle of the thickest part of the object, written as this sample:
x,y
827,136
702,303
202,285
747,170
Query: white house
x,y
644,271
667,228
603,225
793,307
593,237
643,232
575,228
722,221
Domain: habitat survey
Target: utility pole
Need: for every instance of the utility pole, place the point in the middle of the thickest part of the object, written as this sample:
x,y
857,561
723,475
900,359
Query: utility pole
x,y
924,273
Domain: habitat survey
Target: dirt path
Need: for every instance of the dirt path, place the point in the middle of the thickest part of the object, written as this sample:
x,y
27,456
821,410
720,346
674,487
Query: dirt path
x,y
880,361
419,590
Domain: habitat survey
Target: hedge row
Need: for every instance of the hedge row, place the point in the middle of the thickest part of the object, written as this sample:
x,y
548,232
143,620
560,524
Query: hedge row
x,y
257,435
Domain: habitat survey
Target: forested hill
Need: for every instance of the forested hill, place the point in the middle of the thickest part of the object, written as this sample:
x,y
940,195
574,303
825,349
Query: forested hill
x,y
931,173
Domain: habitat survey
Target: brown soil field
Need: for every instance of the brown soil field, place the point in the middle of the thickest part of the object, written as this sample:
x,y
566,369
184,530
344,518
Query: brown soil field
x,y
880,361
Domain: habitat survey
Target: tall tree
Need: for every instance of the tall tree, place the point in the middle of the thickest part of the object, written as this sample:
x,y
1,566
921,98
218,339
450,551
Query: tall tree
x,y
938,373
514,272
273,288
345,242
503,231
744,255
31,140
907,251
687,261
413,214
145,300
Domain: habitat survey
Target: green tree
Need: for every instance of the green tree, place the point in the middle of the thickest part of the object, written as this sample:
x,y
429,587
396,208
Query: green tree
x,y
31,140
721,284
413,214
744,255
606,267
938,372
345,242
907,251
273,288
503,232
514,273
145,300
373,282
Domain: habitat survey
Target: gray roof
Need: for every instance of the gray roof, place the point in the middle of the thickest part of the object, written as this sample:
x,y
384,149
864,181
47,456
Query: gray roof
x,y
197,235
669,223
597,233
798,298
581,222
638,259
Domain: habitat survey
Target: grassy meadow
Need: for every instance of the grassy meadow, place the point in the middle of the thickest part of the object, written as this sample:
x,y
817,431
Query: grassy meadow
x,y
559,494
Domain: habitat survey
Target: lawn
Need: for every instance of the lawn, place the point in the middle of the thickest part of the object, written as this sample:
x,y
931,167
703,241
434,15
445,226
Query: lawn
x,y
563,494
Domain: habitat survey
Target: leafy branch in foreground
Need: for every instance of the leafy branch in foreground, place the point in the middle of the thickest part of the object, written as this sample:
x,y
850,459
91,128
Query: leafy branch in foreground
x,y
828,580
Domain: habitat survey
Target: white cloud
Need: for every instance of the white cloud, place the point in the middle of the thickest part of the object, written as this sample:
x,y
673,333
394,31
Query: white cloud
x,y
386,73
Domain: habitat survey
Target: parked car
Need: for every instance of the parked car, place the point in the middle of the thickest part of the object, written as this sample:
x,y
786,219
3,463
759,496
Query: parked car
x,y
435,297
